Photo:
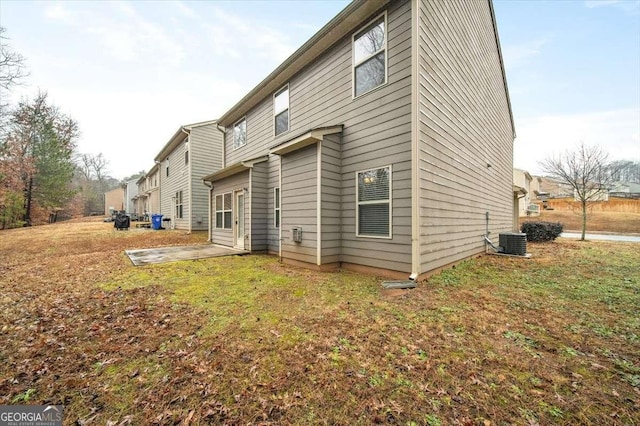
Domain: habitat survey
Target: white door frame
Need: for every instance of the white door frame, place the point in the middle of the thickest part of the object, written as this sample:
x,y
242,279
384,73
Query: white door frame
x,y
239,222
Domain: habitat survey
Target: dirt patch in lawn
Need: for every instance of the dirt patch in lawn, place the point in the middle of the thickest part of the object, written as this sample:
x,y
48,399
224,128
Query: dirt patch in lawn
x,y
244,340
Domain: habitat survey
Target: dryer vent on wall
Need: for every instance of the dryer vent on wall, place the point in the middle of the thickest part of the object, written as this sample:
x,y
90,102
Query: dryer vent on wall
x,y
513,243
296,233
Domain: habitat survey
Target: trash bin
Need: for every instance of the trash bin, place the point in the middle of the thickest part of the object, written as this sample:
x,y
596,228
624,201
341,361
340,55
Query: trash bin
x,y
156,221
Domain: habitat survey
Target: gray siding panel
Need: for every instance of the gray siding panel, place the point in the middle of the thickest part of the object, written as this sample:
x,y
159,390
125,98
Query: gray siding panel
x,y
178,180
331,223
259,201
464,125
299,203
205,144
377,133
205,157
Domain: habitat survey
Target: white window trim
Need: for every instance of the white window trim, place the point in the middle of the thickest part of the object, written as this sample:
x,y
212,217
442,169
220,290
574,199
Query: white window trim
x,y
282,89
386,56
245,133
277,209
358,203
223,211
179,197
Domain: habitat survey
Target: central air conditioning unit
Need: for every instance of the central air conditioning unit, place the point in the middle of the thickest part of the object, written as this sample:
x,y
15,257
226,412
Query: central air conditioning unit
x,y
513,243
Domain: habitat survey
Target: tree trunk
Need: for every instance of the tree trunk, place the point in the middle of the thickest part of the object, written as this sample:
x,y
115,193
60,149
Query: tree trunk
x,y
28,196
584,220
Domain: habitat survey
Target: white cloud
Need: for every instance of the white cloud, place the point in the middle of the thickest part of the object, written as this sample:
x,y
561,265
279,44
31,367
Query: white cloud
x,y
124,33
234,35
518,55
617,131
629,6
184,10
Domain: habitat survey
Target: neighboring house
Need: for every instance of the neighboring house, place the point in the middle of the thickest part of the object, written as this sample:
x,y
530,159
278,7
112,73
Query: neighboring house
x,y
625,190
383,144
593,192
130,192
193,151
147,202
140,200
528,189
113,200
555,188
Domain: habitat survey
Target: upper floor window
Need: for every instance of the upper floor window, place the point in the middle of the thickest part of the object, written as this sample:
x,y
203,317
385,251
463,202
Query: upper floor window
x,y
281,110
370,56
167,169
373,215
240,133
186,157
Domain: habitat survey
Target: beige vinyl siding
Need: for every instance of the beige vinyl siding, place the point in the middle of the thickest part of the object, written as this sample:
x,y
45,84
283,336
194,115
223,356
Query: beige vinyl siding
x,y
178,180
377,133
299,203
464,125
259,195
231,184
205,157
331,178
154,196
153,203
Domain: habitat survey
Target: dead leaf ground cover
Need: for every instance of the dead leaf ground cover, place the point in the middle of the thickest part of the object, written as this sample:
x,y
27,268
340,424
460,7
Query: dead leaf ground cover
x,y
244,340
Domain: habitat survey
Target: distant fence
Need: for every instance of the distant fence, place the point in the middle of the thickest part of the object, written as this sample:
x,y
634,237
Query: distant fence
x,y
621,205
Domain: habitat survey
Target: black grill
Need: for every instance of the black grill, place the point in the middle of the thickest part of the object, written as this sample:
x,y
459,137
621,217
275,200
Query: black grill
x,y
513,243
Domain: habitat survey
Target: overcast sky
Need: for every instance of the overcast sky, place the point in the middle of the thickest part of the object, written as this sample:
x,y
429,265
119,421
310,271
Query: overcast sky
x,y
132,72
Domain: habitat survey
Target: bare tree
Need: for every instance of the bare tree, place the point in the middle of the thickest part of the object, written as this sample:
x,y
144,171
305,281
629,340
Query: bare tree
x,y
12,73
12,70
586,170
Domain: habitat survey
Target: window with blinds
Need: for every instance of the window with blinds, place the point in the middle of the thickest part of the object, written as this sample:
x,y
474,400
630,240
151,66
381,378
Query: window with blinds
x,y
373,215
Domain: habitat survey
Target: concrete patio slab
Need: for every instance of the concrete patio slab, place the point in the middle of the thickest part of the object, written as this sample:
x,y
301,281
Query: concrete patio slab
x,y
171,254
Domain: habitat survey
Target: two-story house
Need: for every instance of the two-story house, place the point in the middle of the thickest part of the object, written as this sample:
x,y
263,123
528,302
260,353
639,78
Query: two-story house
x,y
147,202
130,193
384,143
192,152
528,188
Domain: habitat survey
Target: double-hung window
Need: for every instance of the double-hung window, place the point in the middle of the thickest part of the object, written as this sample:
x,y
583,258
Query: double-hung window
x,y
276,207
370,56
179,205
281,110
373,216
223,211
240,134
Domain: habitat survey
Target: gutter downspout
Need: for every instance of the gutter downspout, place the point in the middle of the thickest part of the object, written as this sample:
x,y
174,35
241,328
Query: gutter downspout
x,y
280,228
159,163
210,192
224,147
415,151
190,186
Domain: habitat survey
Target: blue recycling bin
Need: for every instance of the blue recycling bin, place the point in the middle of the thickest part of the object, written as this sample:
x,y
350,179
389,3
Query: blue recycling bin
x,y
156,221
